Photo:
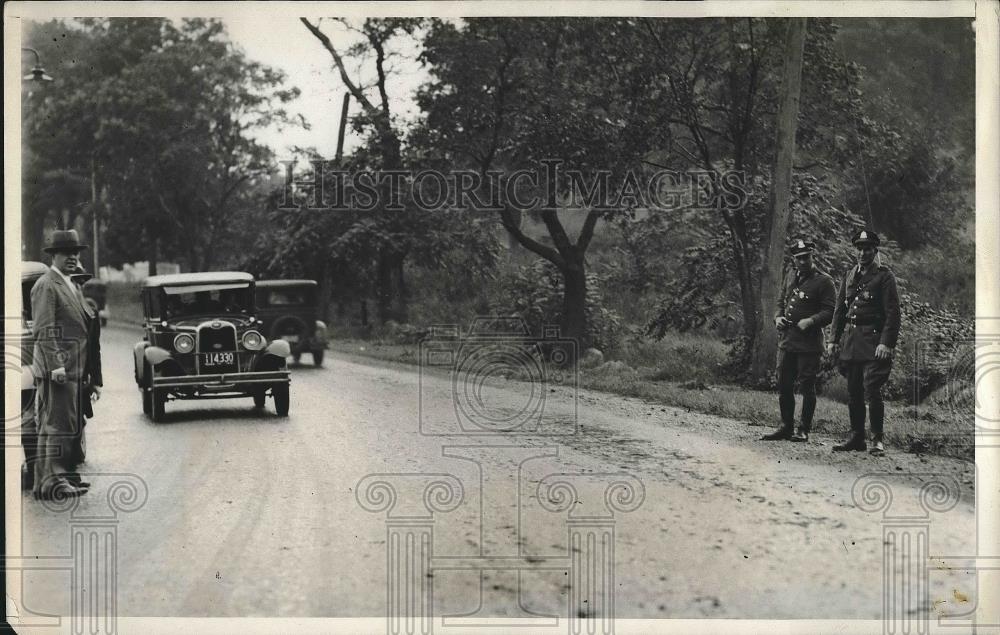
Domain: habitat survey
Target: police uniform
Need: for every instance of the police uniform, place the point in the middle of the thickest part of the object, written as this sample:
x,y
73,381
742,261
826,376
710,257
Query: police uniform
x,y
803,296
867,315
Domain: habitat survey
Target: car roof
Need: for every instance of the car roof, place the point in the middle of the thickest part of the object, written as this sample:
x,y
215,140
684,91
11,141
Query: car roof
x,y
270,284
204,277
32,269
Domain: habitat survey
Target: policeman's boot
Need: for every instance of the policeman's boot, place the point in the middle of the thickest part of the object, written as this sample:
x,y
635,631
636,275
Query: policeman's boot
x,y
781,434
808,408
876,410
857,440
786,403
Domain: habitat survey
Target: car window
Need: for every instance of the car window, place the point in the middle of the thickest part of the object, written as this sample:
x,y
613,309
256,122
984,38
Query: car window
x,y
206,302
287,297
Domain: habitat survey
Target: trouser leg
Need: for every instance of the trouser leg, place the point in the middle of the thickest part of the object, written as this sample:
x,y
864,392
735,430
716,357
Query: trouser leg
x,y
57,420
808,368
875,377
787,372
856,397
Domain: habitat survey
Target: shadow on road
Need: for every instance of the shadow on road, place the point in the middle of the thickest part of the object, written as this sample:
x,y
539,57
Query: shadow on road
x,y
247,414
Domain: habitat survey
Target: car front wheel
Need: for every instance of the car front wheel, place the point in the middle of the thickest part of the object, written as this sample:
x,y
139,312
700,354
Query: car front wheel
x,y
281,399
258,398
159,404
147,401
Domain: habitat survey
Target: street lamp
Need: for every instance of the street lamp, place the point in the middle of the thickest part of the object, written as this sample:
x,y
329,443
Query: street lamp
x,y
37,73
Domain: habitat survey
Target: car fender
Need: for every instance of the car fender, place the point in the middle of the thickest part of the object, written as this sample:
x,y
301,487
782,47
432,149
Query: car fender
x,y
27,378
138,357
156,355
279,348
320,336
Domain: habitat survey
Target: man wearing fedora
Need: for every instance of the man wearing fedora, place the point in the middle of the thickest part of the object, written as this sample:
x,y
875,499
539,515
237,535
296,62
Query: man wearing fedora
x,y
865,330
804,307
61,326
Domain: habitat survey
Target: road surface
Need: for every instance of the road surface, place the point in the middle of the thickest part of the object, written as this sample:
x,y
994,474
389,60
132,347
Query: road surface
x,y
249,514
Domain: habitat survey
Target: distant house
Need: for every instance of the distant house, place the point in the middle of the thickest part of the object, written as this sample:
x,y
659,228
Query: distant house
x,y
137,271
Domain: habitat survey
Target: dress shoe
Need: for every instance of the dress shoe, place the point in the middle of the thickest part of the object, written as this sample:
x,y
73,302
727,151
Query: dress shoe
x,y
781,434
75,480
878,449
60,491
800,435
854,443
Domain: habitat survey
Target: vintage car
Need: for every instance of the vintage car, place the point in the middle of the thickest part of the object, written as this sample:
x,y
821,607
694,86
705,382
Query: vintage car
x,y
288,310
203,341
96,293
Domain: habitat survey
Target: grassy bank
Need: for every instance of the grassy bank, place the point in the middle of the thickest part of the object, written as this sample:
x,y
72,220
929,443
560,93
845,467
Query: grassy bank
x,y
677,373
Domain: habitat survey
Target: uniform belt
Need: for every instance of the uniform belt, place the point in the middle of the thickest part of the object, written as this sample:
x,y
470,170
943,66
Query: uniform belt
x,y
864,322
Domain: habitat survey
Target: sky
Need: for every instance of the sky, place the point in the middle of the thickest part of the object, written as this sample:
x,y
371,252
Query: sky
x,y
286,44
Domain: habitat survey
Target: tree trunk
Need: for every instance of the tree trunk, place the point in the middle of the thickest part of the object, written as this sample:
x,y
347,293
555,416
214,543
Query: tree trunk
x,y
574,310
401,304
776,227
33,234
391,287
383,288
153,256
325,289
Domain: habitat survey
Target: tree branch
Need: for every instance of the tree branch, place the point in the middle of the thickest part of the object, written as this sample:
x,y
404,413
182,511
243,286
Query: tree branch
x,y
356,92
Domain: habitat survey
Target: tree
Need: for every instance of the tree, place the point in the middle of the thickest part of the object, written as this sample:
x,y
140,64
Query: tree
x,y
384,150
775,226
161,117
518,94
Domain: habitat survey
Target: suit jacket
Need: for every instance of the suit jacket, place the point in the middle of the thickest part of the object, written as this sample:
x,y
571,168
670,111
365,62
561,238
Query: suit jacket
x,y
61,327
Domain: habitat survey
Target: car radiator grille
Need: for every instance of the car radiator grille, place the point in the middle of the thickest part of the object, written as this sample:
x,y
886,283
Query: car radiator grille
x,y
216,340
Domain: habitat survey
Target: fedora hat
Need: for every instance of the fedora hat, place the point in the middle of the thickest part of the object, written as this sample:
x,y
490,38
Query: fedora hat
x,y
64,240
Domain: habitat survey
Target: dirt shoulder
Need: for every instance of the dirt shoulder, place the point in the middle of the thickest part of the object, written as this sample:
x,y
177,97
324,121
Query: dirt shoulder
x,y
921,434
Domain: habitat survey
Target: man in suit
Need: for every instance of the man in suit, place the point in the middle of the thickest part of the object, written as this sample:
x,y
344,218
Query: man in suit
x,y
93,379
804,307
61,326
865,331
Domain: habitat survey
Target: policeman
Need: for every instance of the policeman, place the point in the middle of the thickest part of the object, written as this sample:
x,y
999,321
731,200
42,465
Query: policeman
x,y
804,307
865,330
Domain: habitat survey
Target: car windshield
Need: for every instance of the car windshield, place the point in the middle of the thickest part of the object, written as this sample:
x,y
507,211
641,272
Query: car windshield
x,y
200,300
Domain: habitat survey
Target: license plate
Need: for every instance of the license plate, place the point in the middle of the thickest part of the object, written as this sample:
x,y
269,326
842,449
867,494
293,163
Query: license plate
x,y
218,359
291,339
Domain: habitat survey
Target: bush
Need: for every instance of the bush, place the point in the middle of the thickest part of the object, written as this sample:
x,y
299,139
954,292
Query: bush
x,y
535,293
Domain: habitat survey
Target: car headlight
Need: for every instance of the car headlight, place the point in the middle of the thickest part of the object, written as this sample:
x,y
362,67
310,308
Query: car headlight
x,y
253,341
183,343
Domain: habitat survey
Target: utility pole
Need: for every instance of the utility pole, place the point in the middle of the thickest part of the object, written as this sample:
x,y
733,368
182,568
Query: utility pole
x,y
776,228
326,273
93,213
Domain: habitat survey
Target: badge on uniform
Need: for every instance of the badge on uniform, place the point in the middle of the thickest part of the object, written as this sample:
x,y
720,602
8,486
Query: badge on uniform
x,y
802,294
867,295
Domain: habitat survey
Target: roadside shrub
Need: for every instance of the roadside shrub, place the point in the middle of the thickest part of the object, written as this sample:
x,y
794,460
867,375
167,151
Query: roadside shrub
x,y
535,293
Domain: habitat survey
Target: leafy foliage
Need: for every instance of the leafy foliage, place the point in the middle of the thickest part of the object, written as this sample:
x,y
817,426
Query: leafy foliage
x,y
159,118
534,293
